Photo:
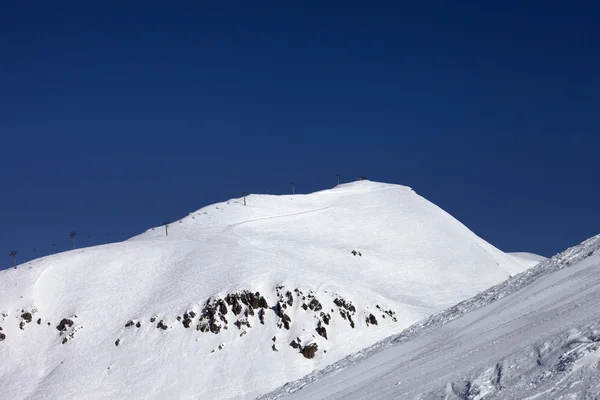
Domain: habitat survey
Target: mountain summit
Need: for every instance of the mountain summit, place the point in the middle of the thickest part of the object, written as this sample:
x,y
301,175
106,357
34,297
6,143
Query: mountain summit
x,y
237,299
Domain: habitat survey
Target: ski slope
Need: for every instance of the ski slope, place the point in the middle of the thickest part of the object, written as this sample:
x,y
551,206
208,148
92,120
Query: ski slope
x,y
237,299
534,336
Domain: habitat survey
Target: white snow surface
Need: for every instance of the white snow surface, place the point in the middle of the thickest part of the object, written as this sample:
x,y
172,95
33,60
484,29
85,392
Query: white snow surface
x,y
527,259
534,336
415,260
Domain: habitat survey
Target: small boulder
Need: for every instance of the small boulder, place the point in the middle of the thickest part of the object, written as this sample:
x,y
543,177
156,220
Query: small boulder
x,y
27,317
371,320
117,342
2,336
294,344
310,350
162,325
321,330
64,324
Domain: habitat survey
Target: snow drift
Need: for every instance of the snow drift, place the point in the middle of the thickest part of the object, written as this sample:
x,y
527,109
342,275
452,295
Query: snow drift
x,y
237,299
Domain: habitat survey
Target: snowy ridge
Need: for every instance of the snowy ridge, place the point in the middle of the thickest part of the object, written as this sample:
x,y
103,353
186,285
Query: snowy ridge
x,y
252,295
527,259
536,335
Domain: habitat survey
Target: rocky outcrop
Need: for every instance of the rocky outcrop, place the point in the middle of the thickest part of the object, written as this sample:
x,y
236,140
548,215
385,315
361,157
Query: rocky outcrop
x,y
347,310
239,308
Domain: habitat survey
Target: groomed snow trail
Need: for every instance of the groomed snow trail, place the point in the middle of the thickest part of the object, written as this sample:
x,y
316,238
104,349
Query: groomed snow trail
x,y
537,335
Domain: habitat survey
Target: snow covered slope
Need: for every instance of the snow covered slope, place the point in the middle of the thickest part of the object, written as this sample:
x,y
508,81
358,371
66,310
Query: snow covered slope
x,y
527,259
534,336
237,299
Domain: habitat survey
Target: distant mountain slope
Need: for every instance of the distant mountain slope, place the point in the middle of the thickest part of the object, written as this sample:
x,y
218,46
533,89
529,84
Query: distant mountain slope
x,y
237,299
527,259
534,336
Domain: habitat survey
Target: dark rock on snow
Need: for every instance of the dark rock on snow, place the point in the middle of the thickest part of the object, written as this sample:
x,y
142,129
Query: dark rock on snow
x,y
310,350
64,324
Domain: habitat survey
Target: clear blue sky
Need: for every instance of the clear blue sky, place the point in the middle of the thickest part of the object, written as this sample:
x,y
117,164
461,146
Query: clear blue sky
x,y
116,117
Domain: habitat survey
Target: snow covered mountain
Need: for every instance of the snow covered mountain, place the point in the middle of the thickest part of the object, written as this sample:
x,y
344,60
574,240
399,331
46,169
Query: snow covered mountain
x,y
527,259
534,336
238,298
528,256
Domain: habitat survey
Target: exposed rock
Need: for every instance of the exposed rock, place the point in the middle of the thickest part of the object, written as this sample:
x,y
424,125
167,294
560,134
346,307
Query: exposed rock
x,y
236,308
344,304
371,320
117,342
161,325
192,314
214,328
261,316
129,323
242,322
138,325
315,305
290,299
262,302
64,341
304,306
64,324
310,350
274,339
39,321
2,336
153,319
286,321
321,330
202,326
22,325
325,317
187,320
48,323
294,344
274,348
27,317
222,307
